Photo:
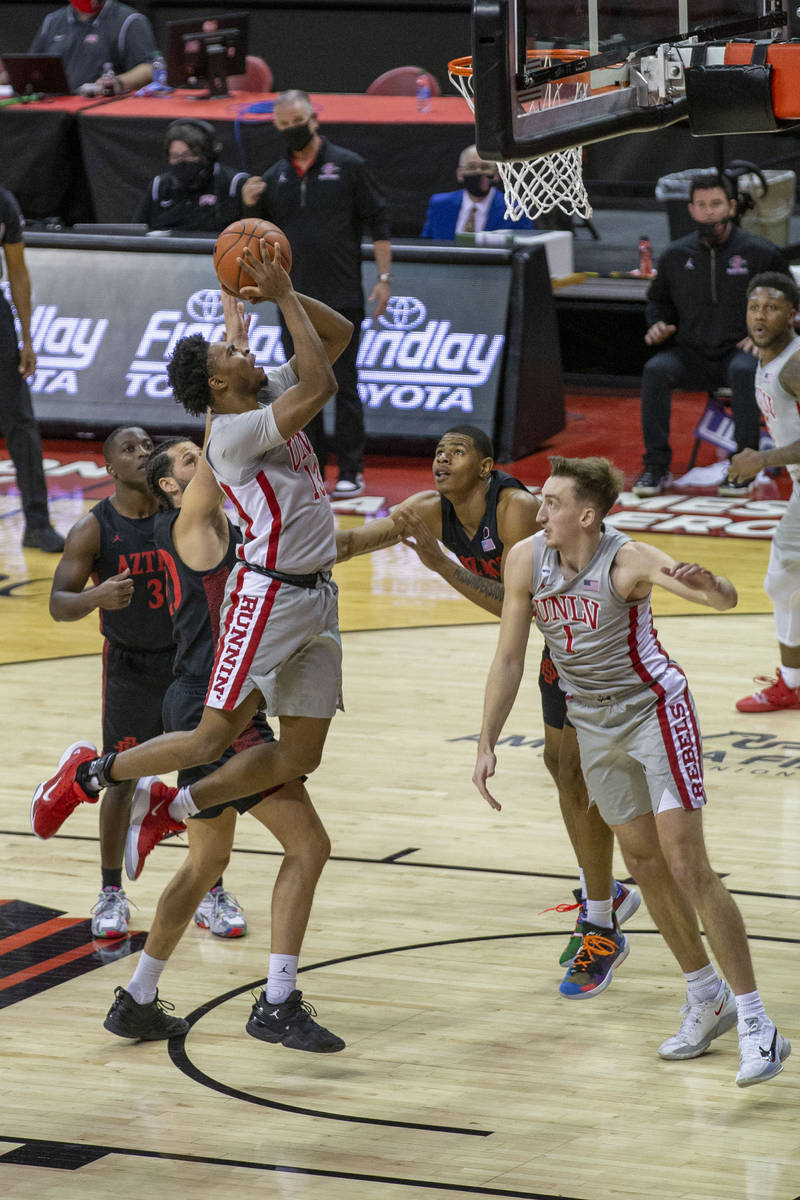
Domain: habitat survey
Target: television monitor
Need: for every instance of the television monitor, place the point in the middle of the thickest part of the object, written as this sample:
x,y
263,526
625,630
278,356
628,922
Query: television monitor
x,y
30,74
202,52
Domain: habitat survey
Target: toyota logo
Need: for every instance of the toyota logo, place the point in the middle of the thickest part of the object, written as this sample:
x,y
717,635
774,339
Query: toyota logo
x,y
404,312
205,305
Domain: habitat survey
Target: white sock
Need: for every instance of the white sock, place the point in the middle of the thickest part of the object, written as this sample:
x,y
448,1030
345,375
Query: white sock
x,y
144,981
583,883
702,985
182,805
791,676
282,977
598,912
749,1004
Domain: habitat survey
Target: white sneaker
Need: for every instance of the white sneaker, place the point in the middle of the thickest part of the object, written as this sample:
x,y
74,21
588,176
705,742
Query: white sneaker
x,y
110,914
221,912
347,488
762,1051
700,1025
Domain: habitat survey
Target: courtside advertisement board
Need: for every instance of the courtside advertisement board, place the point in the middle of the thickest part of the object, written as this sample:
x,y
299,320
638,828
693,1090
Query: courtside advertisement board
x,y
104,325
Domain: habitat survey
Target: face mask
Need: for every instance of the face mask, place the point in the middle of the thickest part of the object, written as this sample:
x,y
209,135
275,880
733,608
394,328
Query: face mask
x,y
87,6
189,174
297,137
713,233
477,184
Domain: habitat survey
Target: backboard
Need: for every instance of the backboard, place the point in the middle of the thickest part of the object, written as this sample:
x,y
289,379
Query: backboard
x,y
637,52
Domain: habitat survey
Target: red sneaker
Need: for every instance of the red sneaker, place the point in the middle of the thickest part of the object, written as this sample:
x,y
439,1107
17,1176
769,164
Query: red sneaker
x,y
54,800
150,822
773,698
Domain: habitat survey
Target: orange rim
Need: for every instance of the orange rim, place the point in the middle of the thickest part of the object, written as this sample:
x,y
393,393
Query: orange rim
x,y
463,66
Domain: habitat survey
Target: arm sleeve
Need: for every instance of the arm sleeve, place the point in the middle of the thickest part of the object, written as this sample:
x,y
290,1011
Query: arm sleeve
x,y
138,44
426,228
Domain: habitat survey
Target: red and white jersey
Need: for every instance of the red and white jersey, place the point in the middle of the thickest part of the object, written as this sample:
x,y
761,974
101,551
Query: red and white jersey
x,y
275,486
780,408
601,644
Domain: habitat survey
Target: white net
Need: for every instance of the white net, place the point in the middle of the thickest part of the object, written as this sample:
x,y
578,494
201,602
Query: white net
x,y
552,181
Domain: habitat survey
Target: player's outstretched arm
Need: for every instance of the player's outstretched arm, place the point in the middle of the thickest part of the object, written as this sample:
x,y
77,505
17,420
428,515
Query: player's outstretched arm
x,y
638,567
70,599
505,673
295,407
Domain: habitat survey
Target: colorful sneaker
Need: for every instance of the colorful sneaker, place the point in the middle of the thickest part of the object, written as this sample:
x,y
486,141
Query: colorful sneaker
x,y
700,1025
773,698
147,1022
54,800
762,1051
626,902
221,912
574,944
150,822
592,970
291,1023
111,914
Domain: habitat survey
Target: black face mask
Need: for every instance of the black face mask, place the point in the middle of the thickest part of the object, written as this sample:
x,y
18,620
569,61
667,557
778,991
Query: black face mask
x,y
297,137
710,233
189,175
477,184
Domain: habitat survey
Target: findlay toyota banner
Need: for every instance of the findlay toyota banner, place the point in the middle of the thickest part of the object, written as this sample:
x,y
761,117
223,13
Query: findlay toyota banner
x,y
105,322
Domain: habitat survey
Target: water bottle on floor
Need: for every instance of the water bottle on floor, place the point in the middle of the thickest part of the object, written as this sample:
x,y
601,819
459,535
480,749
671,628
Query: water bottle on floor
x,y
423,93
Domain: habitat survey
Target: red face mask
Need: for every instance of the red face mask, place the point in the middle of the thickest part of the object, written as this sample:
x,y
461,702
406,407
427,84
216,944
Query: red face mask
x,y
87,6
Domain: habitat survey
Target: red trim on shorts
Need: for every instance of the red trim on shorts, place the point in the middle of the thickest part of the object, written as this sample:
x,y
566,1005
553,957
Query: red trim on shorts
x,y
254,635
661,711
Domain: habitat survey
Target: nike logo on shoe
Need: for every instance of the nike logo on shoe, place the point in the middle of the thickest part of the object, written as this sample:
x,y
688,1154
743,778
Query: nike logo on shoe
x,y
770,1054
717,1011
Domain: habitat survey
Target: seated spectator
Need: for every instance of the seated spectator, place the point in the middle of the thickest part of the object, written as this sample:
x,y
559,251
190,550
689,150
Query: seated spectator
x,y
196,191
697,303
90,33
476,206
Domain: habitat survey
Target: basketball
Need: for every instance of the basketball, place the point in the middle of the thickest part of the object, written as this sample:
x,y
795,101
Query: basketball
x,y
230,246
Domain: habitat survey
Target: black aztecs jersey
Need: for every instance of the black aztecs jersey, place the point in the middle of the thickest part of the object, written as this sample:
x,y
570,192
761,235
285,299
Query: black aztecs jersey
x,y
194,599
127,542
483,553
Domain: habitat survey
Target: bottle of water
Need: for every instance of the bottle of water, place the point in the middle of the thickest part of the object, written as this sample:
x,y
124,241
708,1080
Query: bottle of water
x,y
107,80
159,71
423,93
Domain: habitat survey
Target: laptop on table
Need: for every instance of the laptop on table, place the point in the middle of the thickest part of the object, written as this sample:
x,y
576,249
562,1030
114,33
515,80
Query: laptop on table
x,y
31,74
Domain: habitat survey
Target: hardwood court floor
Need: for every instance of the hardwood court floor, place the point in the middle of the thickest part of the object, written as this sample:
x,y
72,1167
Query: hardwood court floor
x,y
465,1073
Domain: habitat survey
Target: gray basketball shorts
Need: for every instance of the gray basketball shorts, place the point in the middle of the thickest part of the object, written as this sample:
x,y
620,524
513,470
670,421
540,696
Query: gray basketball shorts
x,y
282,641
643,752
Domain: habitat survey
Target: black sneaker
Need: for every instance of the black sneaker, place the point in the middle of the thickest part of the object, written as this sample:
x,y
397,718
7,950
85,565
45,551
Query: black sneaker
x,y
291,1024
651,482
44,538
740,488
147,1022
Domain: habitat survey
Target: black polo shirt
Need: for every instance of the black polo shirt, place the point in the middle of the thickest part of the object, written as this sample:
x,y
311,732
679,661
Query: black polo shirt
x,y
118,34
11,223
324,214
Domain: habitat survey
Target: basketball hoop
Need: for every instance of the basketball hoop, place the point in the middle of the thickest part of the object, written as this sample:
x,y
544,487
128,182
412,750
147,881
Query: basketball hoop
x,y
554,180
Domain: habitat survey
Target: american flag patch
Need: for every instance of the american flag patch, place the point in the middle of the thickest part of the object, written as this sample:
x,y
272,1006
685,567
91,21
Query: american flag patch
x,y
486,540
592,585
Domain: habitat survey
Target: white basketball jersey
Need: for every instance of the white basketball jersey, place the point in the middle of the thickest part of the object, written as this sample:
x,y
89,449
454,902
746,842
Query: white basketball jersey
x,y
275,486
780,408
601,644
